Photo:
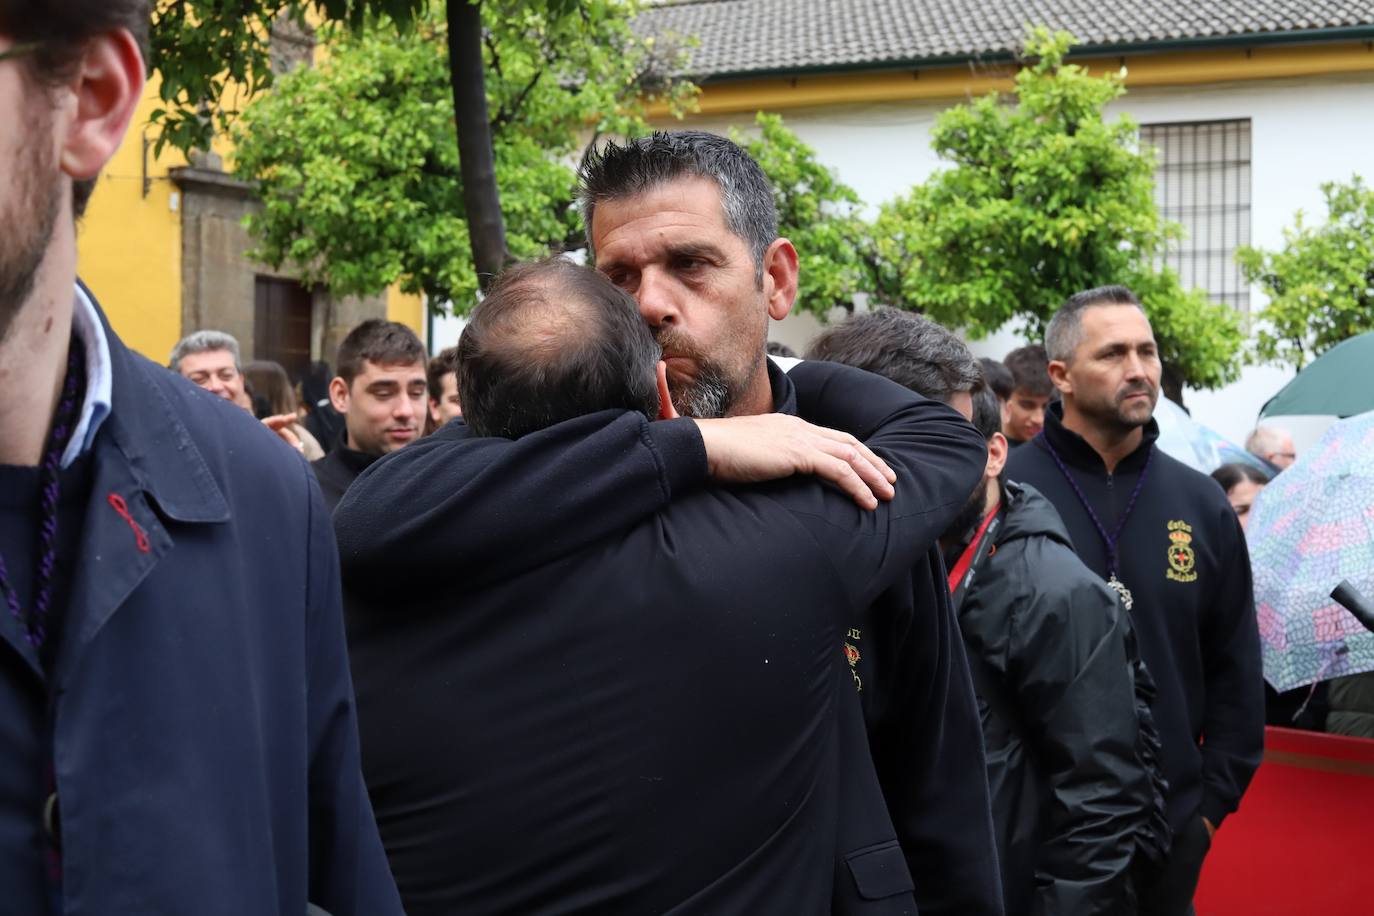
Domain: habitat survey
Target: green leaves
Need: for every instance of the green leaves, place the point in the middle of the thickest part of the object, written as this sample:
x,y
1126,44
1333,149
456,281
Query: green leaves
x,y
1044,198
1321,283
356,160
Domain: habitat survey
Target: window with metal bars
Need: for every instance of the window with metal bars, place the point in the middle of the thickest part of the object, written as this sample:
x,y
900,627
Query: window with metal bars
x,y
1202,180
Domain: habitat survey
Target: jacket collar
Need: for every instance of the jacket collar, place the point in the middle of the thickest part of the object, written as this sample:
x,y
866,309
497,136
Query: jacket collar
x,y
1076,451
351,458
147,468
784,392
164,460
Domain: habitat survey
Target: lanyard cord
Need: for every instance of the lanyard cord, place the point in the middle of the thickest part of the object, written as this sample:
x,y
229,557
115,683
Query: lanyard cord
x,y
1108,540
64,424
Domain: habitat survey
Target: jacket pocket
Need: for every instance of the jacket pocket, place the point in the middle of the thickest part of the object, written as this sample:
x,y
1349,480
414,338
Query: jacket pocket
x,y
880,871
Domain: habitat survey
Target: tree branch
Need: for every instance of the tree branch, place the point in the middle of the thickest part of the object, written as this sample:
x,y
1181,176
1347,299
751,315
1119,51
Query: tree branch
x,y
507,114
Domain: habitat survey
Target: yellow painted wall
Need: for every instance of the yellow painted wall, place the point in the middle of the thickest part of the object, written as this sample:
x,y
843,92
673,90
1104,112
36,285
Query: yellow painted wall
x,y
407,308
129,245
954,82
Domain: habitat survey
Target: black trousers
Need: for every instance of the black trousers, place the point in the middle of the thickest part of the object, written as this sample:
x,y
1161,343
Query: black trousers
x,y
1166,889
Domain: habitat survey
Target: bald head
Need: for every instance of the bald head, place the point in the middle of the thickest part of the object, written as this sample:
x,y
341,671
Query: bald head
x,y
1273,444
553,341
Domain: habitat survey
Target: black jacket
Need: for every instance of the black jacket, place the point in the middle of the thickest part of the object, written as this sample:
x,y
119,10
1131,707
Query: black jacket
x,y
921,718
337,470
1183,556
1352,706
589,682
1068,766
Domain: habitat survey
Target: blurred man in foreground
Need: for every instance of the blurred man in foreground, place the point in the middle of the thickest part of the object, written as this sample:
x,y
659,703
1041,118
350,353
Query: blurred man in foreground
x,y
175,705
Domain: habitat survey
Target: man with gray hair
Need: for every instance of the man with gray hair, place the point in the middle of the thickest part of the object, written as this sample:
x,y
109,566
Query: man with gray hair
x,y
1165,539
211,360
1273,444
686,223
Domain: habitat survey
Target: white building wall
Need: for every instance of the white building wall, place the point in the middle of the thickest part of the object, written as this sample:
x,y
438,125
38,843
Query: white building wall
x,y
1304,132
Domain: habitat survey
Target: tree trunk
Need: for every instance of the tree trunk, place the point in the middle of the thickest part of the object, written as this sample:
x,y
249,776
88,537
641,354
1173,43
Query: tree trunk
x,y
1171,383
481,198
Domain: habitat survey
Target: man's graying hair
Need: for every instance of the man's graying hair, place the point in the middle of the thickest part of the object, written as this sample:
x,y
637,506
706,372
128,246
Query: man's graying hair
x,y
1065,329
204,342
552,341
617,171
908,349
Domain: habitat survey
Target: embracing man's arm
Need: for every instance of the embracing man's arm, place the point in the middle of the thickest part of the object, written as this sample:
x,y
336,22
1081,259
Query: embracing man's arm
x,y
483,506
938,458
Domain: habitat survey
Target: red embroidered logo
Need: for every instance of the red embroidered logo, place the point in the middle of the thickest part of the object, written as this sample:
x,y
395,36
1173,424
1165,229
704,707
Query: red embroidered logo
x,y
140,537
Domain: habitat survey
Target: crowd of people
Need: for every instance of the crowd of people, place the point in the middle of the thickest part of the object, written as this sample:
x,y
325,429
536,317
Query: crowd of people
x,y
605,610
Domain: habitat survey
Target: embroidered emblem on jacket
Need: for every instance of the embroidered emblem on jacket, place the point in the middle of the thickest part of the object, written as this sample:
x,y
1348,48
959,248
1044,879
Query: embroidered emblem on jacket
x,y
1182,560
851,654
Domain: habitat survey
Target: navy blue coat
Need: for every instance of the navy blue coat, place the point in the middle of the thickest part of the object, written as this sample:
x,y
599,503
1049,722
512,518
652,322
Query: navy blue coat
x,y
205,745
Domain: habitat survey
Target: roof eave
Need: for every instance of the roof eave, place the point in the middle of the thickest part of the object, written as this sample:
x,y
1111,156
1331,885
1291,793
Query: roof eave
x,y
1250,39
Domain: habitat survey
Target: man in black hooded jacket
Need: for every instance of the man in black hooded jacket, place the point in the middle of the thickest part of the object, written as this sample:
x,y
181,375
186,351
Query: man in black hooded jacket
x,y
1164,536
1077,796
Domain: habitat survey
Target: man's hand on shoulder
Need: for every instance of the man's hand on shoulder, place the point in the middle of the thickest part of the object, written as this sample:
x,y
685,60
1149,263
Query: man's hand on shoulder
x,y
773,446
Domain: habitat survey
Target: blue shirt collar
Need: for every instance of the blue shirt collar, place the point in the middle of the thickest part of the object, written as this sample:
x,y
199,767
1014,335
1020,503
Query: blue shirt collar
x,y
99,378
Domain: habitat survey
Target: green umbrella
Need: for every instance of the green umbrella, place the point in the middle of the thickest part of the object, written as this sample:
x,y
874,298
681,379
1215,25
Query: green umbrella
x,y
1339,382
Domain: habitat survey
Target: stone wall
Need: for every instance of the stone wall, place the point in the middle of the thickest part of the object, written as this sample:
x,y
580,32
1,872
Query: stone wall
x,y
217,275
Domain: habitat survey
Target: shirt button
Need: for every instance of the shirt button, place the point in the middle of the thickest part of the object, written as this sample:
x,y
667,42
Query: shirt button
x,y
52,821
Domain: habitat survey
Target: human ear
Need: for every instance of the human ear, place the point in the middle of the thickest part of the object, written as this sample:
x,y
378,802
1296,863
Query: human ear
x,y
105,88
780,273
338,394
998,449
666,411
1059,375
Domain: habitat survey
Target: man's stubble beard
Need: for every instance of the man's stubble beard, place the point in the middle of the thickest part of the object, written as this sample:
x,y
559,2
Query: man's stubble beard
x,y
966,522
711,392
1110,416
28,227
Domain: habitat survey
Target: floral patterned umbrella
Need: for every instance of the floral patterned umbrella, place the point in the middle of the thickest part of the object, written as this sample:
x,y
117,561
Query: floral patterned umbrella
x,y
1312,527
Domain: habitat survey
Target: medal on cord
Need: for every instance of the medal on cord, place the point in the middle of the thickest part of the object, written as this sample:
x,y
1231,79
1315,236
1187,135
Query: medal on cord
x,y
1108,540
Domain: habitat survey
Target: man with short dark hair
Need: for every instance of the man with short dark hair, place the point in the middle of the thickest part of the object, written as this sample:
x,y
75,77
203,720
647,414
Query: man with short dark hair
x,y
686,223
1165,538
912,351
637,712
380,392
1030,394
175,705
1048,644
998,378
441,380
